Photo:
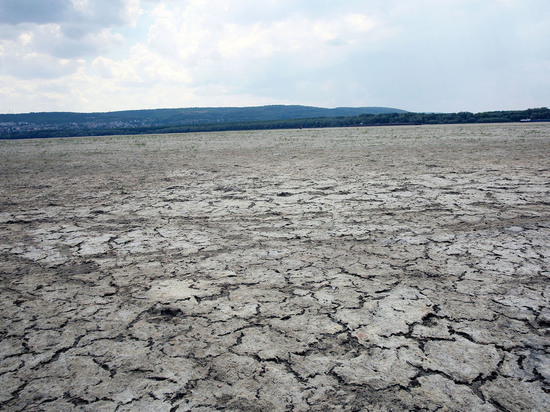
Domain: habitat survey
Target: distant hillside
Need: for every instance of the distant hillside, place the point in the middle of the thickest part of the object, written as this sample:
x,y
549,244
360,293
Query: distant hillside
x,y
42,125
174,117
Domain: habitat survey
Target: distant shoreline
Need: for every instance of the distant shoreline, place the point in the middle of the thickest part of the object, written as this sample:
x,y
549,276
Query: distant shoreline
x,y
37,125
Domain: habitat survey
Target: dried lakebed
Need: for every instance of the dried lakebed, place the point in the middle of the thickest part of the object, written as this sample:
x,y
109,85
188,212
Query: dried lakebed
x,y
398,268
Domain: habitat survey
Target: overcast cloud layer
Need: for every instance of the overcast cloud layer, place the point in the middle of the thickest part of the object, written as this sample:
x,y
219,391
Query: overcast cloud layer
x,y
418,55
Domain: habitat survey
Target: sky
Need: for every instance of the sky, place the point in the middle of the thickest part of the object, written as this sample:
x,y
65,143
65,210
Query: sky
x,y
416,55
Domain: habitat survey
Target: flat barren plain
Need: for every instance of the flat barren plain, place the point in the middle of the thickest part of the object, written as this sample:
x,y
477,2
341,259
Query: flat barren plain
x,y
375,269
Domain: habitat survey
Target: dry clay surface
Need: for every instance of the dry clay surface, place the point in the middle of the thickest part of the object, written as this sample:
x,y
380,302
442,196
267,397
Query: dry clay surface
x,y
398,268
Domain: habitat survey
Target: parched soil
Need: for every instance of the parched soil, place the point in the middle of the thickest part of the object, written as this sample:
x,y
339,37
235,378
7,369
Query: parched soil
x,y
395,268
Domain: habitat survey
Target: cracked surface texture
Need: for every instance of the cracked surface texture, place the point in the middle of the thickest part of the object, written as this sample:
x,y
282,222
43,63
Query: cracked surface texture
x,y
391,268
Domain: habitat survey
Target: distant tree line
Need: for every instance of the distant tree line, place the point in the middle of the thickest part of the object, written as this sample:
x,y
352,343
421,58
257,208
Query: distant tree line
x,y
403,118
183,116
540,114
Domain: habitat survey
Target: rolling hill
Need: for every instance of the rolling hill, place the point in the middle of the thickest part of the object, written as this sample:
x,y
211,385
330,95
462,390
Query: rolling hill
x,y
183,116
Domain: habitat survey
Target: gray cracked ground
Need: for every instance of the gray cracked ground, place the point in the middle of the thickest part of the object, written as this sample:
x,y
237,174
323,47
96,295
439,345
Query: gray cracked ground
x,y
397,268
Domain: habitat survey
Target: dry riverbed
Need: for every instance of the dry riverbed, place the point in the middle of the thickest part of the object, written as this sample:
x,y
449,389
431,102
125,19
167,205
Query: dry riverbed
x,y
394,268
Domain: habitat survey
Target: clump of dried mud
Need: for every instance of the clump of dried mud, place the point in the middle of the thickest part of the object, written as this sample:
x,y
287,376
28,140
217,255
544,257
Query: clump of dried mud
x,y
371,268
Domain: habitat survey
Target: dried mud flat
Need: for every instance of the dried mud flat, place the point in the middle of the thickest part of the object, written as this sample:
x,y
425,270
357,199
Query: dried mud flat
x,y
399,268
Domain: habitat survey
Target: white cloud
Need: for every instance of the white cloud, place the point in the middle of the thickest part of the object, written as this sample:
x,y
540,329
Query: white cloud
x,y
66,28
24,56
415,54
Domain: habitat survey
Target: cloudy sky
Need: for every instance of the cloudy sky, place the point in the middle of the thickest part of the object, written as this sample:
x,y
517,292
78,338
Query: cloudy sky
x,y
418,55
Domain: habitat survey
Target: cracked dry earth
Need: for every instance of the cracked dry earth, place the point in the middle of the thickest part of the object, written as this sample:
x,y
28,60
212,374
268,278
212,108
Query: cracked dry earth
x,y
398,268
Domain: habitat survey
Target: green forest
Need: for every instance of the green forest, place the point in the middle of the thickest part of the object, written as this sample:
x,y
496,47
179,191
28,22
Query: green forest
x,y
170,124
